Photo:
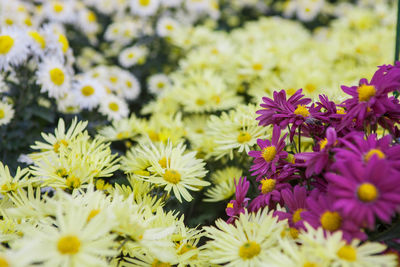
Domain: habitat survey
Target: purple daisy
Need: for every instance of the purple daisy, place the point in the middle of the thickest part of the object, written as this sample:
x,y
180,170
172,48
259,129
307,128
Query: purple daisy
x,y
316,161
282,112
271,153
237,206
270,193
295,203
320,212
370,100
356,147
365,191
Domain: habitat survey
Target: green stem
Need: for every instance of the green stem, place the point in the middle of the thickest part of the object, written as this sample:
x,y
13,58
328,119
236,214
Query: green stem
x,y
397,48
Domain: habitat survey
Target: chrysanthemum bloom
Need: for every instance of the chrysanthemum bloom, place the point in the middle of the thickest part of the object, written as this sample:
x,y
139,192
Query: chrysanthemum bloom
x,y
370,100
365,191
270,193
282,112
357,148
315,162
237,206
295,202
321,213
271,153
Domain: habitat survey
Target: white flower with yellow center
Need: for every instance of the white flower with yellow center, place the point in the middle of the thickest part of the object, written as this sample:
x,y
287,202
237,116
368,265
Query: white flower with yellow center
x,y
158,83
88,21
88,93
130,86
60,11
54,78
71,239
173,168
13,47
6,113
38,42
247,242
144,7
166,26
114,107
132,56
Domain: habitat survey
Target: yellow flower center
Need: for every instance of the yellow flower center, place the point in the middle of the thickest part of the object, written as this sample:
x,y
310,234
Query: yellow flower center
x,y
323,143
310,264
38,38
69,244
294,233
160,85
229,205
58,7
144,2
92,214
200,102
91,17
269,153
157,263
249,250
365,92
347,253
296,217
267,185
257,66
331,221
142,173
163,162
302,111
4,262
56,146
9,22
340,110
2,113
310,87
73,182
185,249
172,176
28,21
6,43
87,90
169,27
376,152
113,106
57,76
367,192
64,42
243,137
216,99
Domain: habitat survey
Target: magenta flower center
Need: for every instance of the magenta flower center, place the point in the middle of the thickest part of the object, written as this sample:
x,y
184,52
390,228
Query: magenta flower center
x,y
302,111
367,192
269,153
331,220
373,152
365,92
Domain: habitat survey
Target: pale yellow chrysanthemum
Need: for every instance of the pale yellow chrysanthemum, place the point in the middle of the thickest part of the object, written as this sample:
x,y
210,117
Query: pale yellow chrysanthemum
x,y
247,242
9,183
123,129
223,184
171,167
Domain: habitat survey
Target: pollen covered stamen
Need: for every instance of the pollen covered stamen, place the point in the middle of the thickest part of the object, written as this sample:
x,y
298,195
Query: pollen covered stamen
x,y
367,192
57,76
372,152
302,111
347,253
249,250
243,137
172,176
269,153
331,221
69,244
6,43
296,217
365,92
267,185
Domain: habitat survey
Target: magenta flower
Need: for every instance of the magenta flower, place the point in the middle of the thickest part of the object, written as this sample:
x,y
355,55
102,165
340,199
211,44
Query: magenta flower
x,y
282,112
270,193
370,100
295,203
365,191
357,148
237,206
271,153
315,162
320,212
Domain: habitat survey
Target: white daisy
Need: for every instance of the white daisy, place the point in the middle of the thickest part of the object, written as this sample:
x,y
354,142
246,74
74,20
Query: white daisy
x,y
13,47
88,93
158,83
38,42
60,11
166,26
6,113
53,77
132,56
114,107
144,7
131,89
